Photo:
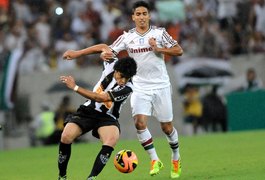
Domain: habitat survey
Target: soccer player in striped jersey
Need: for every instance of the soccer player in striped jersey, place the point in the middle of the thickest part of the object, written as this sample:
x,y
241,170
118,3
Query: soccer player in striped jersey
x,y
152,94
99,113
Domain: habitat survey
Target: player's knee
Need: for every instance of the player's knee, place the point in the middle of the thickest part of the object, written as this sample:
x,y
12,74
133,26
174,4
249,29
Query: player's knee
x,y
67,138
139,123
167,128
111,141
166,131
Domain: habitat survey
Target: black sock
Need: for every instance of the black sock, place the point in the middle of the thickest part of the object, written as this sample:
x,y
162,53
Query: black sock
x,y
64,156
101,160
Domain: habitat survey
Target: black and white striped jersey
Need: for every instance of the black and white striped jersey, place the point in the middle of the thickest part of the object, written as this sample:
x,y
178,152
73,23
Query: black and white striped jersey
x,y
118,94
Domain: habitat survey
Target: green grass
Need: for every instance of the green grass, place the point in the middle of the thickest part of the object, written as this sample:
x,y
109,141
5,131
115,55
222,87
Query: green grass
x,y
230,156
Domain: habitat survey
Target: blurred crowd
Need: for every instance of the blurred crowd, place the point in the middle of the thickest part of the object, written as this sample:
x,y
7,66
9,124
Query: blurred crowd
x,y
44,29
47,126
205,108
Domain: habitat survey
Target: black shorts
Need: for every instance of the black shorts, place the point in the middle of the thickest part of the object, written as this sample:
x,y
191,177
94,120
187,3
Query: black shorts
x,y
89,119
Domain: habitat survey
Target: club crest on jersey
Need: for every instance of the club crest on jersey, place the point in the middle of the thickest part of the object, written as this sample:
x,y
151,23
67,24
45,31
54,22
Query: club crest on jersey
x,y
141,40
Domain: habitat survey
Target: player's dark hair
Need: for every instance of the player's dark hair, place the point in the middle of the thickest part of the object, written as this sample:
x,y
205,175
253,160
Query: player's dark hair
x,y
126,66
140,4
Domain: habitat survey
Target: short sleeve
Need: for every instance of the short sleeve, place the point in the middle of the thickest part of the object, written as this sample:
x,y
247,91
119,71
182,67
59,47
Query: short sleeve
x,y
119,44
167,40
120,93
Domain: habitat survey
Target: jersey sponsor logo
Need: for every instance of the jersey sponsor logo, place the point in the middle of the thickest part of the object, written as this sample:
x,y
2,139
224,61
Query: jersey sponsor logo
x,y
140,50
120,98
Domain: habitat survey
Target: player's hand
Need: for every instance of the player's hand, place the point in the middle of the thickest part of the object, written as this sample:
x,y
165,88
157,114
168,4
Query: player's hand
x,y
70,54
106,55
152,43
69,81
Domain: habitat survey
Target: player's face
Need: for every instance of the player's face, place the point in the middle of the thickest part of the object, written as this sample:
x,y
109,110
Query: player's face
x,y
121,80
251,76
141,17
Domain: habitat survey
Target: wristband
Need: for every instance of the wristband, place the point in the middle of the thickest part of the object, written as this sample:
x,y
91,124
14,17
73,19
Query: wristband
x,y
76,88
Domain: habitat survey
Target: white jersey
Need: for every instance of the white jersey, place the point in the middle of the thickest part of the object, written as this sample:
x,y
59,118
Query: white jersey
x,y
151,68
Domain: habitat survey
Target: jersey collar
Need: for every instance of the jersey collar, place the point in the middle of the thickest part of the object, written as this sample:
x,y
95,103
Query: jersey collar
x,y
149,29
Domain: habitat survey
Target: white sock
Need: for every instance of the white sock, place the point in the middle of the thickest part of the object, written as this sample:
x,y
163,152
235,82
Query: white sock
x,y
146,141
174,145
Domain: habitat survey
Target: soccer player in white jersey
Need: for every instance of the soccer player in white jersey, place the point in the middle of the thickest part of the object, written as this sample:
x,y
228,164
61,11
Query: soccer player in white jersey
x,y
152,94
99,113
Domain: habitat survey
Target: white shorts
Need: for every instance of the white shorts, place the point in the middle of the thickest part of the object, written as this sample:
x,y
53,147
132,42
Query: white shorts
x,y
156,102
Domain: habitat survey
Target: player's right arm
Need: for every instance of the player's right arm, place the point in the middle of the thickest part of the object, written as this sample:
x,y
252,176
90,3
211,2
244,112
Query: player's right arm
x,y
69,81
117,46
73,54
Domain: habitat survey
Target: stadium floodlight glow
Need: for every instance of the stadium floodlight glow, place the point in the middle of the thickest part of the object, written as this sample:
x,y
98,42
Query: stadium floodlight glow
x,y
59,11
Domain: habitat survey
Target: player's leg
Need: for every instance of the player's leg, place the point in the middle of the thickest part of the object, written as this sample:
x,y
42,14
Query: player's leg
x,y
172,138
109,136
141,109
70,132
146,140
164,113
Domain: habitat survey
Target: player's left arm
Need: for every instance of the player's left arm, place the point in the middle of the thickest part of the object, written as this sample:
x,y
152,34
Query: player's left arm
x,y
175,50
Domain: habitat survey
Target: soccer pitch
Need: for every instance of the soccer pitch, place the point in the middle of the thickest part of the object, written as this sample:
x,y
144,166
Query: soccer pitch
x,y
229,156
